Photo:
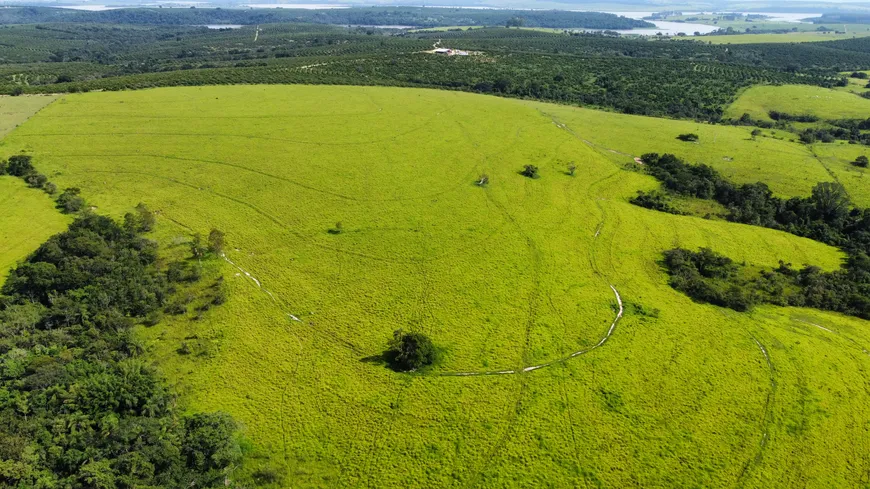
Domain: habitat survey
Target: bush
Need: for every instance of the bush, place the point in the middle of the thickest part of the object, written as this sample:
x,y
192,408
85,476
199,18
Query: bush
x,y
861,161
19,166
70,202
688,138
411,351
530,171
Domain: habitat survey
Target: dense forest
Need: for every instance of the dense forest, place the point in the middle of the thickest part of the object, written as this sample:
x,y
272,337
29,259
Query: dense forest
x,y
78,406
637,76
826,216
382,16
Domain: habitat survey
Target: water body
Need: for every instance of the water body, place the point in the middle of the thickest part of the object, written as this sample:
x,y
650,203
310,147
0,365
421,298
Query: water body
x,y
222,26
306,6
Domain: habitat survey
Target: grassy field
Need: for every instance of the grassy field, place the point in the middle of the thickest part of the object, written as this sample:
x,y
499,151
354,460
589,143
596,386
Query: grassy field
x,y
799,99
505,277
15,110
28,216
28,219
780,38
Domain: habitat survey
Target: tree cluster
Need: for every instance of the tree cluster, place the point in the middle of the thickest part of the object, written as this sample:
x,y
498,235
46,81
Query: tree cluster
x,y
709,277
78,407
826,216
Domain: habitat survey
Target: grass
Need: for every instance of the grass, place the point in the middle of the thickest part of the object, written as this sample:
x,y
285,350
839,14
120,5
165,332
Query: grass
x,y
799,99
28,219
28,216
514,274
15,110
780,38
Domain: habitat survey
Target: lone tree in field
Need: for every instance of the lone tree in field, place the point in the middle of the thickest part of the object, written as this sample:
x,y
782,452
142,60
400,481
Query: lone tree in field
x,y
530,171
216,241
756,133
688,138
338,229
482,180
572,169
410,351
861,161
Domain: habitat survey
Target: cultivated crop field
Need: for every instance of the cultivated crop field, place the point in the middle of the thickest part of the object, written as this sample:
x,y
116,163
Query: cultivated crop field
x,y
516,275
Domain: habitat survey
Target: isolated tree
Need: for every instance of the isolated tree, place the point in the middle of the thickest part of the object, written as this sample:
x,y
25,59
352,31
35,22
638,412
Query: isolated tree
x,y
216,241
572,169
861,161
530,171
411,351
756,133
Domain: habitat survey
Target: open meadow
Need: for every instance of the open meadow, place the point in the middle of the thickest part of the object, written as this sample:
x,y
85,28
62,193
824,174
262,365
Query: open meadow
x,y
28,216
568,360
824,103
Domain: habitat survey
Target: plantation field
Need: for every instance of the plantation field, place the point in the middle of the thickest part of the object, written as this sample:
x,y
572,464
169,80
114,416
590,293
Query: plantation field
x,y
517,275
798,99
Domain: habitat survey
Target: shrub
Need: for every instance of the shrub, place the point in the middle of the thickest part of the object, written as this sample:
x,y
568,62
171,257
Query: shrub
x,y
530,171
688,138
861,161
70,202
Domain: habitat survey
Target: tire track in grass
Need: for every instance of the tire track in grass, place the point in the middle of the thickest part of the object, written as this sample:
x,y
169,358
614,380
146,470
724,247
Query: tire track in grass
x,y
393,137
564,359
846,337
767,416
511,419
466,177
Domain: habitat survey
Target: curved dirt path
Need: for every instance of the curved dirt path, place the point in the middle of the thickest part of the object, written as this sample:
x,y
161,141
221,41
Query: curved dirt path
x,y
554,362
767,418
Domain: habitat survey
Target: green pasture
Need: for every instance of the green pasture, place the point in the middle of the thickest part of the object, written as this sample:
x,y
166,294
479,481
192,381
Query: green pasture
x,y
799,99
505,277
15,110
27,216
788,168
781,38
27,219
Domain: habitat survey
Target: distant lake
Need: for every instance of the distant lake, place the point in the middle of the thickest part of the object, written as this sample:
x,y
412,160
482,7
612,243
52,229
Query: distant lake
x,y
222,26
307,6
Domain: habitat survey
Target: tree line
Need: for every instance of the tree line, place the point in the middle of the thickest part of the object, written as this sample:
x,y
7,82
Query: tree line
x,y
386,16
79,406
827,215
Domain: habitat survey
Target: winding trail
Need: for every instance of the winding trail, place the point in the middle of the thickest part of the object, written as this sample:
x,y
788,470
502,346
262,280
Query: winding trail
x,y
551,363
767,416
